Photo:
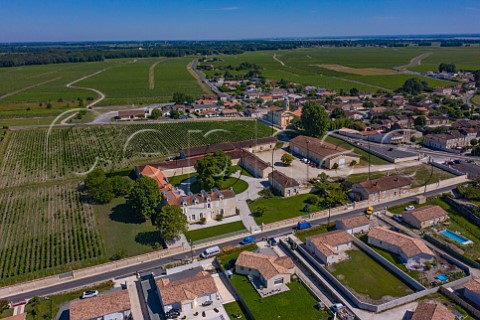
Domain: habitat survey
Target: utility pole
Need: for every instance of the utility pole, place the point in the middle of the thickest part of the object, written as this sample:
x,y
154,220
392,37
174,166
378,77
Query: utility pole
x,y
308,157
369,169
191,250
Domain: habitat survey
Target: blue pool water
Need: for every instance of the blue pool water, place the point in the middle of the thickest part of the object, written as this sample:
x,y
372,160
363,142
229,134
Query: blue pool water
x,y
441,277
456,237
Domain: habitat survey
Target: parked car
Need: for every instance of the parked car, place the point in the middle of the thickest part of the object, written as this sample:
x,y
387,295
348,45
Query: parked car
x,y
272,242
398,217
207,303
247,240
303,225
369,210
458,161
89,294
336,307
409,208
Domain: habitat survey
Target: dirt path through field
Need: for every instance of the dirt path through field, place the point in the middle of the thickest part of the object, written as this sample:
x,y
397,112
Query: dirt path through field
x,y
414,62
278,60
29,87
151,76
101,94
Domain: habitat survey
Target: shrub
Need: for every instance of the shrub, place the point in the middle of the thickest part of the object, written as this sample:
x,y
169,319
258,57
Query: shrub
x,y
203,220
312,199
354,162
219,217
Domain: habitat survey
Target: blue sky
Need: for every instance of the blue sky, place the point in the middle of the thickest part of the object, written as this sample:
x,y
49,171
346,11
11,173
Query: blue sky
x,y
78,20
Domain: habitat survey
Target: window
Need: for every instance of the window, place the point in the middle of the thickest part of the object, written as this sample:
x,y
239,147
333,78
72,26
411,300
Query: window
x,y
278,281
201,215
193,217
209,205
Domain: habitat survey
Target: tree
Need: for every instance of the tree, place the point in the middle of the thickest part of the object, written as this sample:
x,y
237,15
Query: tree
x,y
335,166
314,119
156,114
420,121
181,98
171,221
121,186
99,187
176,114
4,305
354,92
287,159
212,169
447,67
413,86
94,178
144,197
474,142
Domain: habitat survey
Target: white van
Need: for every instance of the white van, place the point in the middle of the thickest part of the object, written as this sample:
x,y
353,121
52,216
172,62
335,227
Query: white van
x,y
210,252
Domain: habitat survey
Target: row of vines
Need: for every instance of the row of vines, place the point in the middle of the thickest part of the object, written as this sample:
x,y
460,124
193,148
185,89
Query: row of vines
x,y
45,229
35,155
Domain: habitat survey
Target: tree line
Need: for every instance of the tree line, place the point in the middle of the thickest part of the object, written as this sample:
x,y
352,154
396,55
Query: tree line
x,y
20,54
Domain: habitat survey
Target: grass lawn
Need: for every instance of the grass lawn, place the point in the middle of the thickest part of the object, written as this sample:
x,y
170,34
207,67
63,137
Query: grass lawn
x,y
233,308
476,100
303,234
287,305
419,174
237,184
365,276
176,180
279,208
363,154
122,233
47,309
242,171
215,231
6,313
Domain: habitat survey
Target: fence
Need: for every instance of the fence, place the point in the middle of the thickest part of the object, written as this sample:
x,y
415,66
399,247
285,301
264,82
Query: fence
x,y
447,168
458,300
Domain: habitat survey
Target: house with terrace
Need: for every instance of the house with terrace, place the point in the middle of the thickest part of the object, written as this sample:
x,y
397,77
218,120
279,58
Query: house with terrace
x,y
115,305
330,247
386,187
414,253
204,205
322,153
269,271
425,217
187,290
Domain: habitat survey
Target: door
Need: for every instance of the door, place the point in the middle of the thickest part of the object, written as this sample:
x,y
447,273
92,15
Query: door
x,y
186,307
341,162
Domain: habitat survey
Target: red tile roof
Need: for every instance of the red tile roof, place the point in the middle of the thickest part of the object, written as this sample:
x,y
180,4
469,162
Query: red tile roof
x,y
432,311
267,266
186,289
99,306
325,242
386,183
409,246
322,148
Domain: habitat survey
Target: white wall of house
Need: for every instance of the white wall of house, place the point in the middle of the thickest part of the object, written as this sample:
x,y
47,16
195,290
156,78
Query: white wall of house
x,y
422,224
359,229
209,210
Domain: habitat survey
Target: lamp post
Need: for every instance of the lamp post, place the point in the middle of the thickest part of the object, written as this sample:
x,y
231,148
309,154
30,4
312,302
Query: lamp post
x,y
191,250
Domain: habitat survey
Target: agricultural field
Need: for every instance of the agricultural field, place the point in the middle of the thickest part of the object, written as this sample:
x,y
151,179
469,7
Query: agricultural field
x,y
368,69
145,81
39,155
41,91
46,229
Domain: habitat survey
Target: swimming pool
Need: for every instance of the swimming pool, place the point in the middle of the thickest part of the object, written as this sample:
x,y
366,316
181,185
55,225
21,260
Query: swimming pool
x,y
456,237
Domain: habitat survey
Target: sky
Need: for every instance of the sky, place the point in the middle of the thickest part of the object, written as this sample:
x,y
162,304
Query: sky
x,y
118,20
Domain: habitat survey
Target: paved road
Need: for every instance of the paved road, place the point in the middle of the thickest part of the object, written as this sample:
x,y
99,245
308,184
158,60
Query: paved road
x,y
155,264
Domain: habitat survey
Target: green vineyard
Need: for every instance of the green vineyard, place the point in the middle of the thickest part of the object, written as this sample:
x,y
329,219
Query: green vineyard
x,y
45,229
32,156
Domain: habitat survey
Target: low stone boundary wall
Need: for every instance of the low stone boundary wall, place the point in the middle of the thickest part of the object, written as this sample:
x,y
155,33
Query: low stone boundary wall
x,y
458,300
447,168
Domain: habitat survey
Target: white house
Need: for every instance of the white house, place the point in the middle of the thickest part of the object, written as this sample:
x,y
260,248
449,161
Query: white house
x,y
186,291
357,224
115,305
413,252
271,271
425,217
330,247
